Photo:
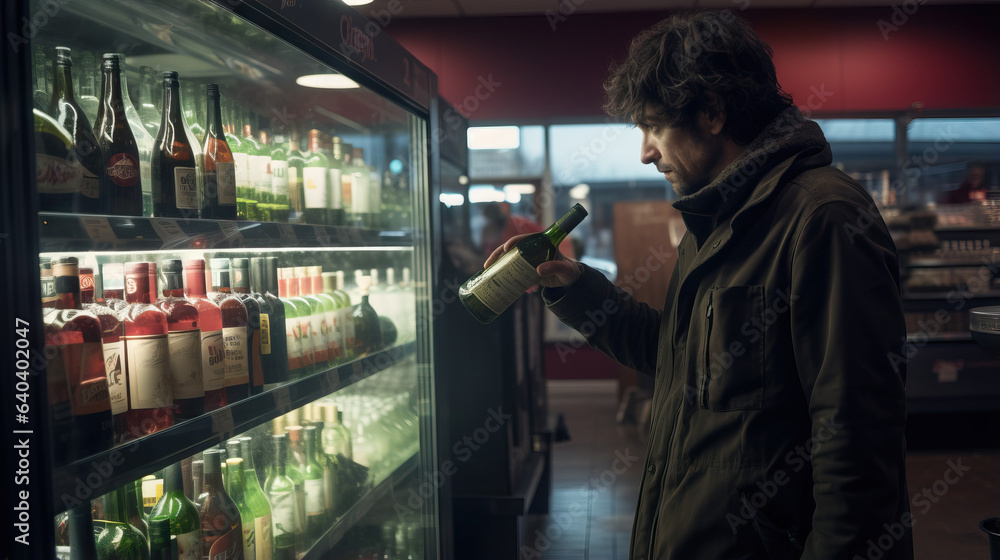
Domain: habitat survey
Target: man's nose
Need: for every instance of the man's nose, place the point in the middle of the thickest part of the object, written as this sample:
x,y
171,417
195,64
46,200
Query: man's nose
x,y
648,152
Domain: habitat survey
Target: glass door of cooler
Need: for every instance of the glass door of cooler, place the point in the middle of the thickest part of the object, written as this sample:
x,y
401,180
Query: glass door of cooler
x,y
264,312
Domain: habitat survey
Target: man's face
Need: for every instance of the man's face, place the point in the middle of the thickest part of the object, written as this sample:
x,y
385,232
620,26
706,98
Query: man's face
x,y
689,157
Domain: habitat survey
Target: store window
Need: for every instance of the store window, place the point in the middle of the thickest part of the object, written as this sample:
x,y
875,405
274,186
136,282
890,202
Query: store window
x,y
946,158
523,157
862,148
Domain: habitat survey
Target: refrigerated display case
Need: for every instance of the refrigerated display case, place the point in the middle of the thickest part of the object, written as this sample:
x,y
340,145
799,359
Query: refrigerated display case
x,y
372,222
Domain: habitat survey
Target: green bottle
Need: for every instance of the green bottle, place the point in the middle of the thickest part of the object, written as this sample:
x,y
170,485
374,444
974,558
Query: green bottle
x,y
159,539
329,471
315,176
319,328
293,330
236,487
81,533
181,512
133,510
315,481
279,176
296,195
294,469
347,315
119,540
490,291
336,320
255,498
280,490
240,163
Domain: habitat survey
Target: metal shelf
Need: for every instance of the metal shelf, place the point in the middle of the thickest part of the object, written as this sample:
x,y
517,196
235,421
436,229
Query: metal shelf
x,y
60,232
98,474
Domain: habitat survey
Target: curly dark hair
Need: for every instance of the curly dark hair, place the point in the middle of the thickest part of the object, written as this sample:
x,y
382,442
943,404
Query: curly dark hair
x,y
695,61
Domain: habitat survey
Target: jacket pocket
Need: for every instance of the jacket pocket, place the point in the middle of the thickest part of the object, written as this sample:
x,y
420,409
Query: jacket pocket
x,y
780,543
734,349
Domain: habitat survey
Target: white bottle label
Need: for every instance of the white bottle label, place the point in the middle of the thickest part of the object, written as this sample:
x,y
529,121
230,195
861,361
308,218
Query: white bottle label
x,y
315,497
90,396
234,340
316,332
305,331
213,360
189,545
56,175
242,162
504,282
293,339
262,527
249,541
360,195
186,188
258,171
336,193
114,365
149,372
282,513
335,334
279,178
225,172
90,185
185,364
315,187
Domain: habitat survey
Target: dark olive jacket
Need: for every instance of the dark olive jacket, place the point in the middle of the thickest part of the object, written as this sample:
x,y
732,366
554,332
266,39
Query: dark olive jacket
x,y
779,406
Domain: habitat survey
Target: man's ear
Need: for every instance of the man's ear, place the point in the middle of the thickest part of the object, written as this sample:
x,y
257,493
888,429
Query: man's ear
x,y
714,113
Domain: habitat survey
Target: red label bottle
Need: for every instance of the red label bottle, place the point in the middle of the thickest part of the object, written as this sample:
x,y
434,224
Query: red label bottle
x,y
184,341
213,364
235,326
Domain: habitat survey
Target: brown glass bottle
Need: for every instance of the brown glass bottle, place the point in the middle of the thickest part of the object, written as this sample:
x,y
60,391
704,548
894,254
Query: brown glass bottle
x,y
174,173
221,526
184,341
273,354
121,153
219,199
256,307
235,327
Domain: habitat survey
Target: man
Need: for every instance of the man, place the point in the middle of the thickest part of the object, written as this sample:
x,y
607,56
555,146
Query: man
x,y
779,407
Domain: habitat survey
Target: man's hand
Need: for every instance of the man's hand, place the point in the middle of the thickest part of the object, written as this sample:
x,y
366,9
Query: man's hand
x,y
559,272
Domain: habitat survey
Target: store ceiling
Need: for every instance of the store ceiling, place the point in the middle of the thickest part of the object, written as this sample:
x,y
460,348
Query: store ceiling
x,y
478,8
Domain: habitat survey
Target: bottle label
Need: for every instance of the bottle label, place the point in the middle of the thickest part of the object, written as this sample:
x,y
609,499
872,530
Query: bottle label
x,y
90,396
186,364
123,170
56,175
317,331
90,185
315,497
265,334
305,328
300,507
257,166
499,285
186,188
360,197
213,360
234,340
347,324
242,164
149,375
293,178
228,546
189,545
225,172
315,187
293,340
262,527
249,541
283,513
335,334
48,288
336,194
347,191
117,384
279,178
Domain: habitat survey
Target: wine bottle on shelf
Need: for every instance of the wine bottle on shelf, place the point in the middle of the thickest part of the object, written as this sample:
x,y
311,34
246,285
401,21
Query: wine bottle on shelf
x,y
86,285
273,341
79,345
336,436
221,526
297,322
316,488
113,343
257,164
219,198
315,174
242,161
334,334
197,482
292,330
150,396
341,204
159,540
81,534
118,143
318,326
328,284
278,174
58,171
150,101
90,198
48,282
118,538
255,306
361,195
181,513
296,194
144,141
213,364
367,330
87,72
184,340
257,501
347,318
133,512
334,197
236,485
490,291
280,490
174,172
235,332
294,466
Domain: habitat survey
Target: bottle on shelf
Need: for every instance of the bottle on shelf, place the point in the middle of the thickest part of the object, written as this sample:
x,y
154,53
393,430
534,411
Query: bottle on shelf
x,y
219,198
150,100
292,328
318,327
361,193
159,540
297,322
197,482
258,503
133,511
174,162
490,291
346,178
241,158
273,340
331,309
235,332
144,141
113,343
315,175
335,198
58,171
113,282
90,198
341,198
181,513
329,470
221,526
278,174
294,466
118,538
48,282
122,163
184,340
82,543
341,310
336,436
296,194
280,491
257,164
316,485
86,285
256,306
147,373
235,486
213,364
78,340
87,73
367,330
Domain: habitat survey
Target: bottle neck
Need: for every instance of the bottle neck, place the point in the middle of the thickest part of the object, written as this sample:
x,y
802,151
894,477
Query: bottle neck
x,y
314,143
247,454
171,104
220,281
214,115
81,531
137,287
111,91
234,475
68,292
172,285
62,88
173,480
131,500
556,234
194,283
241,280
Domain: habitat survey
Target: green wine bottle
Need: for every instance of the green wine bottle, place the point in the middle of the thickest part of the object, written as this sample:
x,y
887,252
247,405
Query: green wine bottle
x,y
81,534
181,512
237,483
255,498
490,291
119,540
315,480
159,539
294,469
280,490
367,330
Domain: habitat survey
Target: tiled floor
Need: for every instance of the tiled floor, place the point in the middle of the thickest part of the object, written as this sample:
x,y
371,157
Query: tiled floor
x,y
596,479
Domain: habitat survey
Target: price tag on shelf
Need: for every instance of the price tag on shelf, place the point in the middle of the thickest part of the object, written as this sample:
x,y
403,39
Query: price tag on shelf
x,y
282,400
223,423
170,233
331,381
99,230
322,236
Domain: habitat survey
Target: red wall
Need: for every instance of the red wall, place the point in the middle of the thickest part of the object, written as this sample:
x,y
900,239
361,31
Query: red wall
x,y
946,57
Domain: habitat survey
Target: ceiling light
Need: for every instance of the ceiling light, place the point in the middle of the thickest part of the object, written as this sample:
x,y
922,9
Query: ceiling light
x,y
486,193
520,188
327,81
580,191
494,138
357,2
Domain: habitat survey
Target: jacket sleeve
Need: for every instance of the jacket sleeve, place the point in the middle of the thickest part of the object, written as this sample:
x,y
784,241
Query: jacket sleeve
x,y
849,325
609,319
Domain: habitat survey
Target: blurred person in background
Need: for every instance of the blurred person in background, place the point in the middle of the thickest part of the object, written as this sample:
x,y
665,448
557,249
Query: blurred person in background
x,y
779,404
972,189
